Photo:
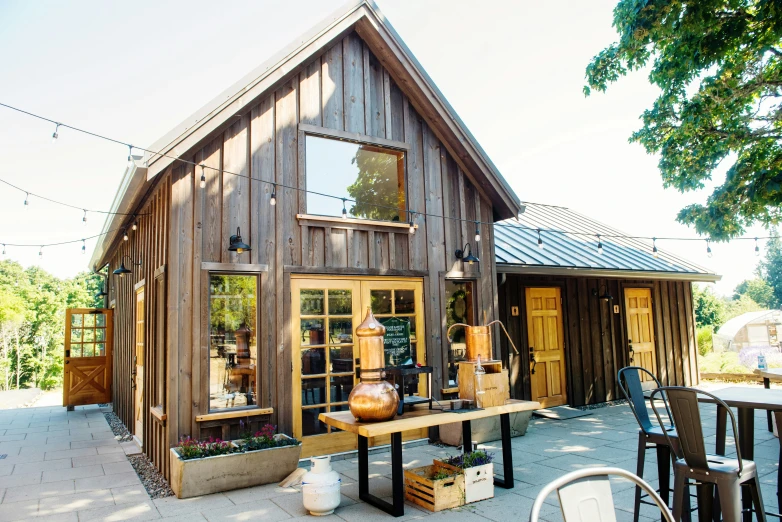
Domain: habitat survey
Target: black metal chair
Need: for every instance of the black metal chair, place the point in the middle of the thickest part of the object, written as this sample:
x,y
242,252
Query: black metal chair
x,y
708,470
649,436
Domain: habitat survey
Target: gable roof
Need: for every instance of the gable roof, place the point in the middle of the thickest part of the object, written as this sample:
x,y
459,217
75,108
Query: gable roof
x,y
365,18
516,249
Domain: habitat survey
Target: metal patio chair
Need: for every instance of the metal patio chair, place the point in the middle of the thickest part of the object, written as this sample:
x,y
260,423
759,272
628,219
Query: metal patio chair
x,y
650,436
708,470
585,495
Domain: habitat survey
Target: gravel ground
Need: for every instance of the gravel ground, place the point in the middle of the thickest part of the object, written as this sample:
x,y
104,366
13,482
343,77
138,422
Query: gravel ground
x,y
117,427
153,481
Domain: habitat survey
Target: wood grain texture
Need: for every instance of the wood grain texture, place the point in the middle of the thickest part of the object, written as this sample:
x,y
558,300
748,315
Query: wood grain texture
x,y
236,188
353,75
332,87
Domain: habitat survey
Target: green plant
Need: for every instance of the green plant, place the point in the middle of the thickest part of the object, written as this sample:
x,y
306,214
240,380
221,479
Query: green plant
x,y
705,339
442,474
470,460
264,439
195,449
725,362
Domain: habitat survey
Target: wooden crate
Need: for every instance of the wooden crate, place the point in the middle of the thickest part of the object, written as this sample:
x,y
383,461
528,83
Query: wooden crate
x,y
478,481
434,495
496,388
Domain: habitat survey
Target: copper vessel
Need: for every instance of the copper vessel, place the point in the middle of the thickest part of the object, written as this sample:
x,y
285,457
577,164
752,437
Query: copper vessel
x,y
478,340
373,399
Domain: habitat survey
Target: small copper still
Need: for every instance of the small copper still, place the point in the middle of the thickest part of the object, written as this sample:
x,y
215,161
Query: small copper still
x,y
373,399
478,341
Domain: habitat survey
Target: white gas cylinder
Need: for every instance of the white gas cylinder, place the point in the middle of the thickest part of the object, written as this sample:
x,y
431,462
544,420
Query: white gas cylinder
x,y
320,487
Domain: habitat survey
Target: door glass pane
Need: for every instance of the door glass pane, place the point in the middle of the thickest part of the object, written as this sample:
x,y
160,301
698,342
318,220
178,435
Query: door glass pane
x,y
75,350
88,350
310,424
341,387
100,320
89,320
76,320
100,349
89,336
233,351
340,302
381,301
313,361
100,335
341,359
340,331
458,309
312,332
312,302
313,391
404,301
76,335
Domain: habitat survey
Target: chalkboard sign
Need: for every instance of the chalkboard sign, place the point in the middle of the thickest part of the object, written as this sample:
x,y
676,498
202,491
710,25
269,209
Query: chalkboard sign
x,y
396,342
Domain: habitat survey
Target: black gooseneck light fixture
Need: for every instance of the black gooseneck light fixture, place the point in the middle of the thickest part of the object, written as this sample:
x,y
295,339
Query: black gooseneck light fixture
x,y
235,243
604,296
465,254
122,270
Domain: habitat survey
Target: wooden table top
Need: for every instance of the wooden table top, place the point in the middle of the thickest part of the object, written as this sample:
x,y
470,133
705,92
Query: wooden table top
x,y
770,373
755,398
418,418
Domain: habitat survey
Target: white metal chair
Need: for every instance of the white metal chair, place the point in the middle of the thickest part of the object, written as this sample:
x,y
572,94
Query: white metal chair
x,y
585,495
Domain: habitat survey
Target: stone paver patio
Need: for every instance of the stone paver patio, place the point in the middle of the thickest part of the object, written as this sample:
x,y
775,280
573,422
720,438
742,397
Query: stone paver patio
x,y
67,466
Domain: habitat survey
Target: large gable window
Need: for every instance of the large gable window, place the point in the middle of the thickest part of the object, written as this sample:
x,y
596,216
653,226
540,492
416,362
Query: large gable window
x,y
371,177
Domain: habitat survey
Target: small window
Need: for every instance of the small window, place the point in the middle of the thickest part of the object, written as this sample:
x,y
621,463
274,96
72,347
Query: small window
x,y
233,349
458,309
372,177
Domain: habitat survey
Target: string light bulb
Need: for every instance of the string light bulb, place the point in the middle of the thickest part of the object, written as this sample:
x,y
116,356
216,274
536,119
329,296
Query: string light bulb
x,y
3,248
84,219
412,225
273,198
599,245
135,225
40,253
757,248
540,241
83,247
203,177
344,210
130,156
124,235
655,253
26,200
708,248
55,135
477,232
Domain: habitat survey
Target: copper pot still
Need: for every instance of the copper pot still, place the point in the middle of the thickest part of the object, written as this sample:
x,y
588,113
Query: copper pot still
x,y
373,399
478,340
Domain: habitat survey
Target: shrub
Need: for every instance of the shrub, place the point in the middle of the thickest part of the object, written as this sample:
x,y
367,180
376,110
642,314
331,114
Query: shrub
x,y
195,449
725,362
705,339
470,460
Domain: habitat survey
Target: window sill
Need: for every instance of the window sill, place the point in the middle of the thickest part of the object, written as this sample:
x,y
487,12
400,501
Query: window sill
x,y
338,222
157,412
250,412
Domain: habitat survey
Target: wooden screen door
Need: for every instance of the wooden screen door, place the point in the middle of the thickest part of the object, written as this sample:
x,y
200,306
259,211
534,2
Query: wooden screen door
x,y
325,313
138,415
546,343
87,365
640,330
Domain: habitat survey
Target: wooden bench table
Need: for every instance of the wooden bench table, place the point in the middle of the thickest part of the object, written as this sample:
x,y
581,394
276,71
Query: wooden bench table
x,y
418,419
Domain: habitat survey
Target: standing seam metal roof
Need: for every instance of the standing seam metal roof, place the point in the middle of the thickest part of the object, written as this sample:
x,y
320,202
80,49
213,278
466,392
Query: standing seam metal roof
x,y
516,243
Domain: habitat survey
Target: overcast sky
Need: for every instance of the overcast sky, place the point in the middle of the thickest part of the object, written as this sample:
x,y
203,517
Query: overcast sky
x,y
514,72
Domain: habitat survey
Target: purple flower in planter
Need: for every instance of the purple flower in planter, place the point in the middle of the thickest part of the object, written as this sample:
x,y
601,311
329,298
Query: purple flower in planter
x,y
748,356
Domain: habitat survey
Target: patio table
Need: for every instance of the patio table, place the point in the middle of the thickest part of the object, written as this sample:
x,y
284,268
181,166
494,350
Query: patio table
x,y
418,419
746,400
769,375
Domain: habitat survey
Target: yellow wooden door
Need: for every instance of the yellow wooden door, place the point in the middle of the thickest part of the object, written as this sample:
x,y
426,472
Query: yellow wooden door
x,y
138,429
546,344
640,329
325,313
87,361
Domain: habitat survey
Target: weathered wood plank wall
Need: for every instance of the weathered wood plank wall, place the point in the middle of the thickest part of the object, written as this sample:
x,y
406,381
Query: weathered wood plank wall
x,y
596,337
150,245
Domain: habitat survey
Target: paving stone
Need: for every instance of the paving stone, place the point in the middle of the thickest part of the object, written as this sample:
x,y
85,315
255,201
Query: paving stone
x,y
24,479
242,496
37,491
265,510
171,506
98,459
72,473
19,511
136,511
44,465
107,481
69,453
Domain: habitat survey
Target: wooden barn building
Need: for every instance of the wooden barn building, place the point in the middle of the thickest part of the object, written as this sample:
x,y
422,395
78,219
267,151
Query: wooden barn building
x,y
582,305
333,178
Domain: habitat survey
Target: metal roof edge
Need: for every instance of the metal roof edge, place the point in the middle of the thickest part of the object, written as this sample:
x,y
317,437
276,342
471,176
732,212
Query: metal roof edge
x,y
504,268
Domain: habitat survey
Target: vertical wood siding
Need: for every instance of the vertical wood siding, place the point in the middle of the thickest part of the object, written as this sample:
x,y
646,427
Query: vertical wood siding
x,y
150,245
344,89
596,338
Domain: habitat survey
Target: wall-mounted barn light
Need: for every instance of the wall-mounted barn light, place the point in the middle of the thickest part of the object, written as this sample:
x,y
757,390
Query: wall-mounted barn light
x,y
122,270
468,258
604,296
236,244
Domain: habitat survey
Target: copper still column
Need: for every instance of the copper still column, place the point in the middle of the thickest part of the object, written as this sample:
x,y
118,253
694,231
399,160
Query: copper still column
x,y
373,399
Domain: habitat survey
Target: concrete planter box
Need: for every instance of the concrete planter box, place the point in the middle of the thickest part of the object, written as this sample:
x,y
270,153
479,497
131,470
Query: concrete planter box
x,y
486,429
195,477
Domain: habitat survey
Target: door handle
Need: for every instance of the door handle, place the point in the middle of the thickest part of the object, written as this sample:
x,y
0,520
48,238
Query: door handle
x,y
532,360
630,346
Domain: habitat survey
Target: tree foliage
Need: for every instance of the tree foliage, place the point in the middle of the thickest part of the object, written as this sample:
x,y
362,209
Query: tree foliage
x,y
770,268
718,64
709,308
758,290
32,322
377,189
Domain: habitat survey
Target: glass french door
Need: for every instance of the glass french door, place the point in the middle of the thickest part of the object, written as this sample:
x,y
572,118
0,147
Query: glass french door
x,y
325,312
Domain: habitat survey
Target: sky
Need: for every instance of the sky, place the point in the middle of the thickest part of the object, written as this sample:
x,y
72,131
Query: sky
x,y
513,71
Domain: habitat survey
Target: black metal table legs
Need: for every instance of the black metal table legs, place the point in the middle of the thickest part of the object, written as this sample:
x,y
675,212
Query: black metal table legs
x,y
397,507
507,450
767,385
